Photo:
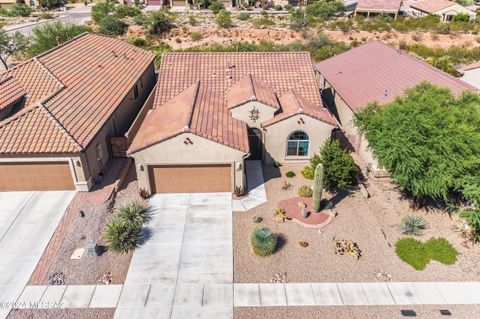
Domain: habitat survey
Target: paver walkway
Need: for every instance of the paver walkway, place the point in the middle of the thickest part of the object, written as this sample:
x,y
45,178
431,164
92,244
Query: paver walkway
x,y
185,270
256,194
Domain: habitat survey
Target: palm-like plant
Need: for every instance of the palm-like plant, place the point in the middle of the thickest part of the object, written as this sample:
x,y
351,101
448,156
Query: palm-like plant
x,y
134,214
263,241
120,236
412,225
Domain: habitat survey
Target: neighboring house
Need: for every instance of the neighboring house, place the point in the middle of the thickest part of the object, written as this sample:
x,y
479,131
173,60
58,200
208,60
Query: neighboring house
x,y
471,74
444,8
7,4
185,3
60,109
212,111
370,8
373,72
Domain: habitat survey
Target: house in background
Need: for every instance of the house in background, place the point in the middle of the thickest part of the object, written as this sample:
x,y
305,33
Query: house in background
x,y
213,111
471,74
185,3
59,111
370,8
444,8
7,4
373,72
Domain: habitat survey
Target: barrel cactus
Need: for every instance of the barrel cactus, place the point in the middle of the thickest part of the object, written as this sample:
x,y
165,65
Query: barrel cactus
x,y
317,188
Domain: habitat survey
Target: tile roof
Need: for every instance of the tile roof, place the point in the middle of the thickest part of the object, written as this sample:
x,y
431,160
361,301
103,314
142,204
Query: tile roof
x,y
376,72
250,89
431,6
196,110
78,85
379,5
11,91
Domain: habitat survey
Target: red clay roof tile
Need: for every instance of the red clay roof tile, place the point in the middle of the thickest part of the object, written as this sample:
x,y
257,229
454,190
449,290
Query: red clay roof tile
x,y
250,89
432,6
11,91
379,5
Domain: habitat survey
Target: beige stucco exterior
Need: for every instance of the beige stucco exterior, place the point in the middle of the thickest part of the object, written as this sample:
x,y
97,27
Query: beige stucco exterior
x,y
175,152
472,77
242,113
447,13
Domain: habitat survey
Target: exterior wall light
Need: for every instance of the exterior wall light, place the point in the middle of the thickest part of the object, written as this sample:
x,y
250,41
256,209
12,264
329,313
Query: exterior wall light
x,y
78,163
238,166
141,167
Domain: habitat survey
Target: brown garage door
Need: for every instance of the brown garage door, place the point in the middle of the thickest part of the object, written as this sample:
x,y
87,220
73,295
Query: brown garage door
x,y
35,176
191,179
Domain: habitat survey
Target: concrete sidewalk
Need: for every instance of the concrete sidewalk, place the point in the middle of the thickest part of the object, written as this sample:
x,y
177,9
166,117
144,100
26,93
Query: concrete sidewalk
x,y
256,193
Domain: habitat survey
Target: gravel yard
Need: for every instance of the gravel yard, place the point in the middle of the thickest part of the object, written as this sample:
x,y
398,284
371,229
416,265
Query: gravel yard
x,y
89,229
62,314
372,224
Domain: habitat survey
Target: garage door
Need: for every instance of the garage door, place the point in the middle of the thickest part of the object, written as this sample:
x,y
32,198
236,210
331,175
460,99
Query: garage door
x,y
179,3
191,179
35,176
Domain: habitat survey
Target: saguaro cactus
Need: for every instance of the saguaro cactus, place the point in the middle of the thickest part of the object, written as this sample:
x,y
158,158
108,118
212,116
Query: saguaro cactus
x,y
317,188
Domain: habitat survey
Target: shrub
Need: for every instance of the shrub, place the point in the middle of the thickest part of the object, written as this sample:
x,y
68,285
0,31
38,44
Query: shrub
x,y
244,16
298,19
305,191
122,11
3,12
19,10
263,241
340,170
192,20
137,41
120,236
472,217
216,6
325,9
412,225
50,4
263,22
278,7
195,36
461,17
308,172
102,10
134,214
46,16
224,19
159,23
418,254
290,174
112,26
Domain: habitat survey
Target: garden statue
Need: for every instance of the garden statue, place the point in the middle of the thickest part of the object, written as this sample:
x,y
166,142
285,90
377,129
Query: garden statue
x,y
303,209
317,188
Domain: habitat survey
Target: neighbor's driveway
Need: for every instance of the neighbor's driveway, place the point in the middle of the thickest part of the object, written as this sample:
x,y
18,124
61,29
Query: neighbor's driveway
x,y
185,270
27,222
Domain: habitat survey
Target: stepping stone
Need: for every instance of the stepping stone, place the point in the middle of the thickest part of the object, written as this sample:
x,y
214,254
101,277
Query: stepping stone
x,y
428,293
273,295
352,294
246,295
403,293
326,294
299,294
78,253
106,296
377,293
31,296
133,296
77,296
53,294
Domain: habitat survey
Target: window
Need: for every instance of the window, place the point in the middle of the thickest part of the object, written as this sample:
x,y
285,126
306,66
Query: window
x,y
135,91
297,144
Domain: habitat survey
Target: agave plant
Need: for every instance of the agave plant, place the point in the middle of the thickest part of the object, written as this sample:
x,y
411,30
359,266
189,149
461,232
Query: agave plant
x,y
263,241
412,225
121,237
134,214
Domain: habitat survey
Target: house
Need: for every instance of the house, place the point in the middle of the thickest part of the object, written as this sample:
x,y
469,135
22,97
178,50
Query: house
x,y
373,72
60,110
7,4
186,3
446,9
213,111
471,74
370,8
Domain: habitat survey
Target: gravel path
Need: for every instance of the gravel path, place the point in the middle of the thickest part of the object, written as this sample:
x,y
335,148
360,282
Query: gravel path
x,y
62,314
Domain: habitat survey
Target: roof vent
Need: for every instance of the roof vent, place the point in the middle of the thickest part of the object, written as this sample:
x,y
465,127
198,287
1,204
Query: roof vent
x,y
114,54
385,94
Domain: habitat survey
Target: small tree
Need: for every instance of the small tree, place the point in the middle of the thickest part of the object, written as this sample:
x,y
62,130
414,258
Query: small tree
x,y
112,26
159,23
102,10
461,17
216,6
298,19
10,44
224,19
325,9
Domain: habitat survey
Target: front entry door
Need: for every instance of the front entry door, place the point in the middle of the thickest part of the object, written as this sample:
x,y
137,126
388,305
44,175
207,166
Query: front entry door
x,y
256,143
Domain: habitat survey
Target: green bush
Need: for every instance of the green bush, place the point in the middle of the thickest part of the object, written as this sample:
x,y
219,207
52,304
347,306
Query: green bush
x,y
134,214
216,6
290,174
137,41
244,16
120,236
412,225
278,7
305,191
122,11
192,20
112,26
308,172
19,10
418,254
340,170
461,17
50,4
3,12
195,36
159,23
263,22
101,10
298,19
472,217
46,16
224,19
263,241
325,9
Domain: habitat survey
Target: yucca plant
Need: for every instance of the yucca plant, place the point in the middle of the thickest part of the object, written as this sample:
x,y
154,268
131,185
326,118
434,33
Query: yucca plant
x,y
121,237
134,214
412,225
263,241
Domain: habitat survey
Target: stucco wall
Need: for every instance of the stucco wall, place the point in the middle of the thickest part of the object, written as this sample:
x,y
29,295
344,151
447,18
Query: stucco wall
x,y
242,113
276,135
472,77
452,10
175,151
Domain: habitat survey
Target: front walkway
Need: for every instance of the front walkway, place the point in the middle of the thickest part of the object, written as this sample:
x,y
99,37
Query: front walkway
x,y
256,194
185,269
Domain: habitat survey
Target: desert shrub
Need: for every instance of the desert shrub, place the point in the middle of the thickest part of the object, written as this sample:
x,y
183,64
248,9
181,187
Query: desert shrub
x,y
46,16
290,174
298,19
195,36
101,10
325,9
472,217
50,4
418,254
263,22
123,11
461,17
158,23
120,236
244,16
412,225
305,191
137,41
112,26
141,20
216,6
134,214
278,7
224,19
192,20
308,172
19,10
263,241
340,170
289,7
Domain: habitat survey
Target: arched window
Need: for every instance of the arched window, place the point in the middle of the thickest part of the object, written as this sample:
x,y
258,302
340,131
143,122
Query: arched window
x,y
297,144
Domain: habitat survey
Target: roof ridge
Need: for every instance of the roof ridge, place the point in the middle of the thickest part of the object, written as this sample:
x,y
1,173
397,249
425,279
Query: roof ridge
x,y
17,115
50,73
62,44
188,122
252,86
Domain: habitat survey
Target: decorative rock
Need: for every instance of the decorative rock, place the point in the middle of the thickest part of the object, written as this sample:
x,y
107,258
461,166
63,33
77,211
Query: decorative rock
x,y
383,276
303,243
257,219
57,279
279,278
106,278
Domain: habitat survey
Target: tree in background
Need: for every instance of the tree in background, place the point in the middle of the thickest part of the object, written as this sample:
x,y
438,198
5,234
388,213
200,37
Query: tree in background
x,y
11,44
298,19
325,9
224,19
158,23
111,25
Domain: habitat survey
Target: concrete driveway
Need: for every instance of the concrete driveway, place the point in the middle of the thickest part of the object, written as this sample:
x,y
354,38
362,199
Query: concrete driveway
x,y
27,222
185,269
